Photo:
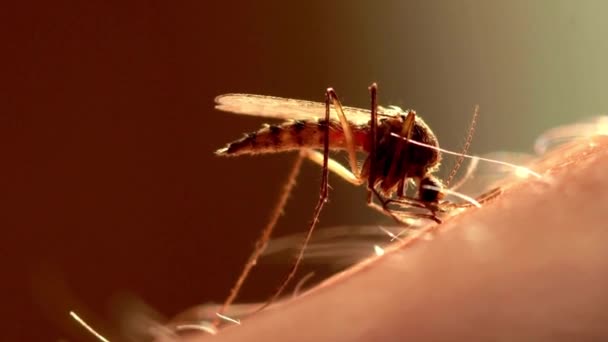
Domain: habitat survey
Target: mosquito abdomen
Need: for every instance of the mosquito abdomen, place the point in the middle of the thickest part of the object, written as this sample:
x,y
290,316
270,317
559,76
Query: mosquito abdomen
x,y
292,135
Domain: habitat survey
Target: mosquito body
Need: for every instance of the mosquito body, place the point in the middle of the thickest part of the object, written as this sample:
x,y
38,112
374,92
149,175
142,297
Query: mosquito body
x,y
400,148
395,162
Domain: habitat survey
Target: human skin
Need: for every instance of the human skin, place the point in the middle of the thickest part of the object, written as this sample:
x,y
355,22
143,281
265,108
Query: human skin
x,y
531,264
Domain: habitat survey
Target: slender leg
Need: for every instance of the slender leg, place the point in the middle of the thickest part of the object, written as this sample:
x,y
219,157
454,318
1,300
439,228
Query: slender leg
x,y
395,214
373,133
345,174
406,202
262,241
406,132
352,176
348,134
465,148
329,97
481,199
489,195
327,165
333,166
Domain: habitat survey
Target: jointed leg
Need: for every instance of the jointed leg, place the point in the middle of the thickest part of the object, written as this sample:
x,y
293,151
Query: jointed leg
x,y
329,97
395,215
327,164
405,201
465,148
260,244
348,134
345,174
348,176
332,165
373,133
406,132
353,176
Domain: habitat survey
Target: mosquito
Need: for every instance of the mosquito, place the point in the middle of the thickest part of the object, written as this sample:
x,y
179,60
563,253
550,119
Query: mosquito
x,y
390,166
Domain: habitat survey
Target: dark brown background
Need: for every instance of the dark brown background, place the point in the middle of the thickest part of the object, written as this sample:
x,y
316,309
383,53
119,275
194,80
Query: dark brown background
x,y
109,182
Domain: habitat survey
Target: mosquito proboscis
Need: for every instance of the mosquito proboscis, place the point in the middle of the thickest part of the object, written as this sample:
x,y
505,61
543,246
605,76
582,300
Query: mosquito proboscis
x,y
401,149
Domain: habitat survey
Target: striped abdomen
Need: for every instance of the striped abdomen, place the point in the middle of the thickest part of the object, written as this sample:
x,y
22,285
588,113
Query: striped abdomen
x,y
293,135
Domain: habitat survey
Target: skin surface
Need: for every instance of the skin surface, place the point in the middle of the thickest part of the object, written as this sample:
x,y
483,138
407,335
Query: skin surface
x,y
530,265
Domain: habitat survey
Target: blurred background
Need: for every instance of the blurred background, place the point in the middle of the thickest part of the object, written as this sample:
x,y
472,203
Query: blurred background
x,y
109,184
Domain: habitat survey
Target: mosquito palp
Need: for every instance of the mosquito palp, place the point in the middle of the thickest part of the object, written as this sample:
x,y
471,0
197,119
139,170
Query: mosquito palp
x,y
389,166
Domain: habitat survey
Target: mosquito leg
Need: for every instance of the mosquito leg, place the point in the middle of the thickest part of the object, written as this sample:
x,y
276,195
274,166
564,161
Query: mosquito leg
x,y
373,133
399,220
406,201
467,175
387,211
347,175
490,195
371,191
333,166
348,134
482,199
262,241
465,148
329,97
406,132
344,173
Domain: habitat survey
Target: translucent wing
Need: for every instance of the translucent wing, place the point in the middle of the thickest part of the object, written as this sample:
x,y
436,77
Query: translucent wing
x,y
289,109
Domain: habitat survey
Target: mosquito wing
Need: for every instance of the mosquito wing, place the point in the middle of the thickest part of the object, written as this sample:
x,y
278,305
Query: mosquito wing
x,y
284,108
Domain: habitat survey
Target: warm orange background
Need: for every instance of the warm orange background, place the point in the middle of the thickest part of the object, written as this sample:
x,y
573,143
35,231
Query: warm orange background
x,y
107,128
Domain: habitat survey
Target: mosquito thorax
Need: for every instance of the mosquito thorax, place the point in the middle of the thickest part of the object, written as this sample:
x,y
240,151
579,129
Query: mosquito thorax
x,y
397,161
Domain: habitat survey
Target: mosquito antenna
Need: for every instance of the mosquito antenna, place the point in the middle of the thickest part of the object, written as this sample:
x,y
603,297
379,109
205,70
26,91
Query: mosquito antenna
x,y
262,241
465,148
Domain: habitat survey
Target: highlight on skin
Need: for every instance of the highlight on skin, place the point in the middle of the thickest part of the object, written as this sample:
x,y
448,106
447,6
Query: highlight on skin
x,y
584,134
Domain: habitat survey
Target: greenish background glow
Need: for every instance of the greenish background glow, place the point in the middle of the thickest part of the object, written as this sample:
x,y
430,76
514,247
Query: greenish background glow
x,y
108,128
